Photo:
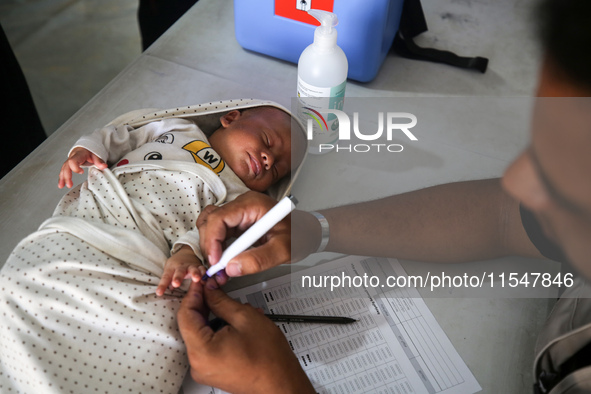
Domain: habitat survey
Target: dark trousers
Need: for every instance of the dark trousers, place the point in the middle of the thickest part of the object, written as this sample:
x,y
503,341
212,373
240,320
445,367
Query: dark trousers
x,y
156,16
21,127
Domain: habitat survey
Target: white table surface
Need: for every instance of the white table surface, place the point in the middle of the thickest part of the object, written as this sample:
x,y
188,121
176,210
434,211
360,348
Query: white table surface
x,y
198,60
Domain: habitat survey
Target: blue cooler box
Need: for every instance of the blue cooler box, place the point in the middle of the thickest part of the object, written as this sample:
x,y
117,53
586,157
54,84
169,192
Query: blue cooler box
x,y
278,28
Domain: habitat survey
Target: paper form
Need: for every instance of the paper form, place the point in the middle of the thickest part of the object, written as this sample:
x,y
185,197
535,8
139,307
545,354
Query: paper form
x,y
396,346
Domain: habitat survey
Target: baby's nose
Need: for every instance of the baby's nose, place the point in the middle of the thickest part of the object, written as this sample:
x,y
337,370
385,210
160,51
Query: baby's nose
x,y
268,160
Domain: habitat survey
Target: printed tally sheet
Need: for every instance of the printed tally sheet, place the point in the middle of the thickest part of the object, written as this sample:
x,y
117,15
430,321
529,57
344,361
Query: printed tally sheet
x,y
396,346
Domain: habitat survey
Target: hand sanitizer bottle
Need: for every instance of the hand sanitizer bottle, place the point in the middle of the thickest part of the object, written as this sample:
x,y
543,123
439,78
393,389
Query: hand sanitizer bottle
x,y
322,76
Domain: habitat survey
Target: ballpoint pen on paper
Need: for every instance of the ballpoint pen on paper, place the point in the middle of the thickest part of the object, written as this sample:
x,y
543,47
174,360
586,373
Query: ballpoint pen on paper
x,y
310,319
253,234
218,323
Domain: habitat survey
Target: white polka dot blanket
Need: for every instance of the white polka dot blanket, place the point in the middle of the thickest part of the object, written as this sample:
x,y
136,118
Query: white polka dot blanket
x,y
78,310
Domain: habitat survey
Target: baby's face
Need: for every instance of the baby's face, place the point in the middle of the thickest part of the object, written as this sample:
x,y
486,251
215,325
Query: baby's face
x,y
256,144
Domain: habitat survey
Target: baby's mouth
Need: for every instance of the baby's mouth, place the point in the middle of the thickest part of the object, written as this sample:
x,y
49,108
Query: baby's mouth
x,y
255,165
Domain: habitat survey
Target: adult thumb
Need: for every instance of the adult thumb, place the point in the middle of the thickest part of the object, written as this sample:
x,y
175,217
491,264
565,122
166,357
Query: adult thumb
x,y
274,252
219,303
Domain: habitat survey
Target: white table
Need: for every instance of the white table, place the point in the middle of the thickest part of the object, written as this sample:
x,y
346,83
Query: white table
x,y
199,60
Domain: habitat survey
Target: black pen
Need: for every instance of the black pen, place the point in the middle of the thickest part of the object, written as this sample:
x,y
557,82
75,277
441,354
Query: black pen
x,y
310,319
218,323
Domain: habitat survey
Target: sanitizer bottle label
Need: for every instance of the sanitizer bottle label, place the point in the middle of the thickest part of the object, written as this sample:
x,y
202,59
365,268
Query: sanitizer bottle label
x,y
314,103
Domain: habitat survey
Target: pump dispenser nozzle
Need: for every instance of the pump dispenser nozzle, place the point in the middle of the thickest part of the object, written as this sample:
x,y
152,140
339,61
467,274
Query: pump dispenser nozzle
x,y
327,20
325,35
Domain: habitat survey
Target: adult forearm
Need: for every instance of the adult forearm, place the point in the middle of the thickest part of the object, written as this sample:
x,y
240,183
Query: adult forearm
x,y
456,222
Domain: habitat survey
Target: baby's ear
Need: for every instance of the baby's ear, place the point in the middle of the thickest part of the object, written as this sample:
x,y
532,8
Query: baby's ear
x,y
230,118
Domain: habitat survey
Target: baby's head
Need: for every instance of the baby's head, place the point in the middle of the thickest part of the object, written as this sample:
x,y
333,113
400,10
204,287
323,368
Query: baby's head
x,y
256,143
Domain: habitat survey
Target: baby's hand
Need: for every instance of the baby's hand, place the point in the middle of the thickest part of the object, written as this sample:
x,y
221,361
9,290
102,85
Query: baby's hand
x,y
78,157
181,265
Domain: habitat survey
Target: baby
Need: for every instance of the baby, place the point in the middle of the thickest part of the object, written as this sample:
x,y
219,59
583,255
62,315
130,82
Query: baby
x,y
251,150
77,301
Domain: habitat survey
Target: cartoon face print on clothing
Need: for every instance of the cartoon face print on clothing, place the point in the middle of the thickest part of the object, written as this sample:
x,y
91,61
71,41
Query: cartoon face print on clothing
x,y
153,156
205,155
166,138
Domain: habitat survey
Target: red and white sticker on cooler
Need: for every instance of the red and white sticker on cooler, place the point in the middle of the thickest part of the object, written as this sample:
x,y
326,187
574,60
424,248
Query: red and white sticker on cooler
x,y
288,9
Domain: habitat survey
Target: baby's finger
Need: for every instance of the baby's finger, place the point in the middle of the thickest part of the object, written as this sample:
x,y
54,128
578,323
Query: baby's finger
x,y
62,180
65,177
179,275
164,283
221,277
97,161
75,167
195,272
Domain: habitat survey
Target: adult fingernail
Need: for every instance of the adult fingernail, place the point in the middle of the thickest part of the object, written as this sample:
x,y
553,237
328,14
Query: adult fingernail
x,y
234,269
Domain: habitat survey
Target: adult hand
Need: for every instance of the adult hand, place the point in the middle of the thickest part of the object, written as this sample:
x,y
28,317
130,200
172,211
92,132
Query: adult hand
x,y
77,158
216,224
249,355
292,239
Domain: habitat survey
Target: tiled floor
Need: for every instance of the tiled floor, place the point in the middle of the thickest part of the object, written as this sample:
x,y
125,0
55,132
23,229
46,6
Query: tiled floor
x,y
70,49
